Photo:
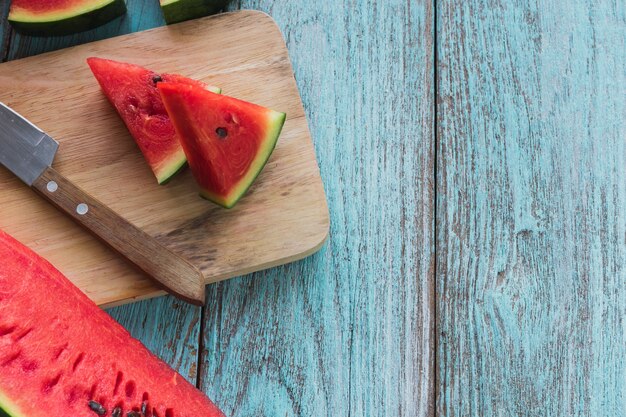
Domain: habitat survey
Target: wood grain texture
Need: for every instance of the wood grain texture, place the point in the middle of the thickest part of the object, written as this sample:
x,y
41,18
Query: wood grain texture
x,y
346,332
283,217
170,270
168,327
530,208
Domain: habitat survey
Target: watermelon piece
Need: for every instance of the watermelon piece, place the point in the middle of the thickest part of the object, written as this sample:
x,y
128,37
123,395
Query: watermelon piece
x,y
62,17
175,11
61,355
227,141
131,89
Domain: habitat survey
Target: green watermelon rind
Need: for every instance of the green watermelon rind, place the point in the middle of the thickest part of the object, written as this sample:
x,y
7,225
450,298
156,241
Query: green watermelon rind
x,y
177,162
175,11
7,408
276,123
106,11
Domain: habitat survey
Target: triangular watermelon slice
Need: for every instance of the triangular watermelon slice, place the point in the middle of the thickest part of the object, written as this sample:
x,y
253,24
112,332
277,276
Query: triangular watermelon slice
x,y
227,141
132,91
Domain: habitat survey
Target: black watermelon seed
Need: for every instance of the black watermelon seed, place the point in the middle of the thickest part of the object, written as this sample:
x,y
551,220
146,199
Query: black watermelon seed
x,y
157,79
97,408
144,405
117,412
221,132
132,414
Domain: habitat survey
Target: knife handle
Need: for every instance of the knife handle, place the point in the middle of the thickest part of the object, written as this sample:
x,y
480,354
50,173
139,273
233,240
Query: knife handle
x,y
174,273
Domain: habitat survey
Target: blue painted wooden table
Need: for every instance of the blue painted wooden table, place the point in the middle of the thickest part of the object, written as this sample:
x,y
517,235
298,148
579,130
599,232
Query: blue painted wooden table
x,y
473,154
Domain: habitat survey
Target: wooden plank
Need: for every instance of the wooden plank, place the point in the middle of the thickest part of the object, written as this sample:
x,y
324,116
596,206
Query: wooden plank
x,y
168,327
141,15
348,330
283,217
531,200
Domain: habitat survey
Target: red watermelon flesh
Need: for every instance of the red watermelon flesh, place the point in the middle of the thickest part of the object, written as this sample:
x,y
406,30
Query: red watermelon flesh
x,y
52,6
62,17
227,141
59,351
132,90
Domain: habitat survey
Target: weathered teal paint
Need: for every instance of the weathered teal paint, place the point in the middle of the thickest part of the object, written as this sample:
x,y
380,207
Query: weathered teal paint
x,y
168,327
530,208
530,224
530,230
347,331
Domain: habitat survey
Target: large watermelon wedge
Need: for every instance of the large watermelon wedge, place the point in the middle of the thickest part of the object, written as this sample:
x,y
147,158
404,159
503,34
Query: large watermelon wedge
x,y
62,17
132,90
227,141
60,355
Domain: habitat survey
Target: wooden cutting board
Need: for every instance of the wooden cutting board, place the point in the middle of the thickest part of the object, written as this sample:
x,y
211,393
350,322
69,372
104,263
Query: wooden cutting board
x,y
284,216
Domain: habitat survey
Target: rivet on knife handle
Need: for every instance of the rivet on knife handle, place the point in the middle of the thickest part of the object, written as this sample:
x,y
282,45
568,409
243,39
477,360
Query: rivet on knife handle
x,y
173,272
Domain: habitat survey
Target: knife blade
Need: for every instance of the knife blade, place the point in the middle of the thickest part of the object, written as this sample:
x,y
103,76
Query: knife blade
x,y
28,152
24,148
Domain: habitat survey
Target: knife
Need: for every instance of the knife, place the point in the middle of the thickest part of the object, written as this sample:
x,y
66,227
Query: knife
x,y
28,152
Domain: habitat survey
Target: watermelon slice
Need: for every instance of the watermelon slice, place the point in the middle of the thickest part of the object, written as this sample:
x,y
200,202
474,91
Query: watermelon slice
x,y
175,11
60,355
227,141
131,89
62,17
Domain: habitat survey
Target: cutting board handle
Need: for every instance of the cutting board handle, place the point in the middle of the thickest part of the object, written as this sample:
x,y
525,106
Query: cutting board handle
x,y
174,273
